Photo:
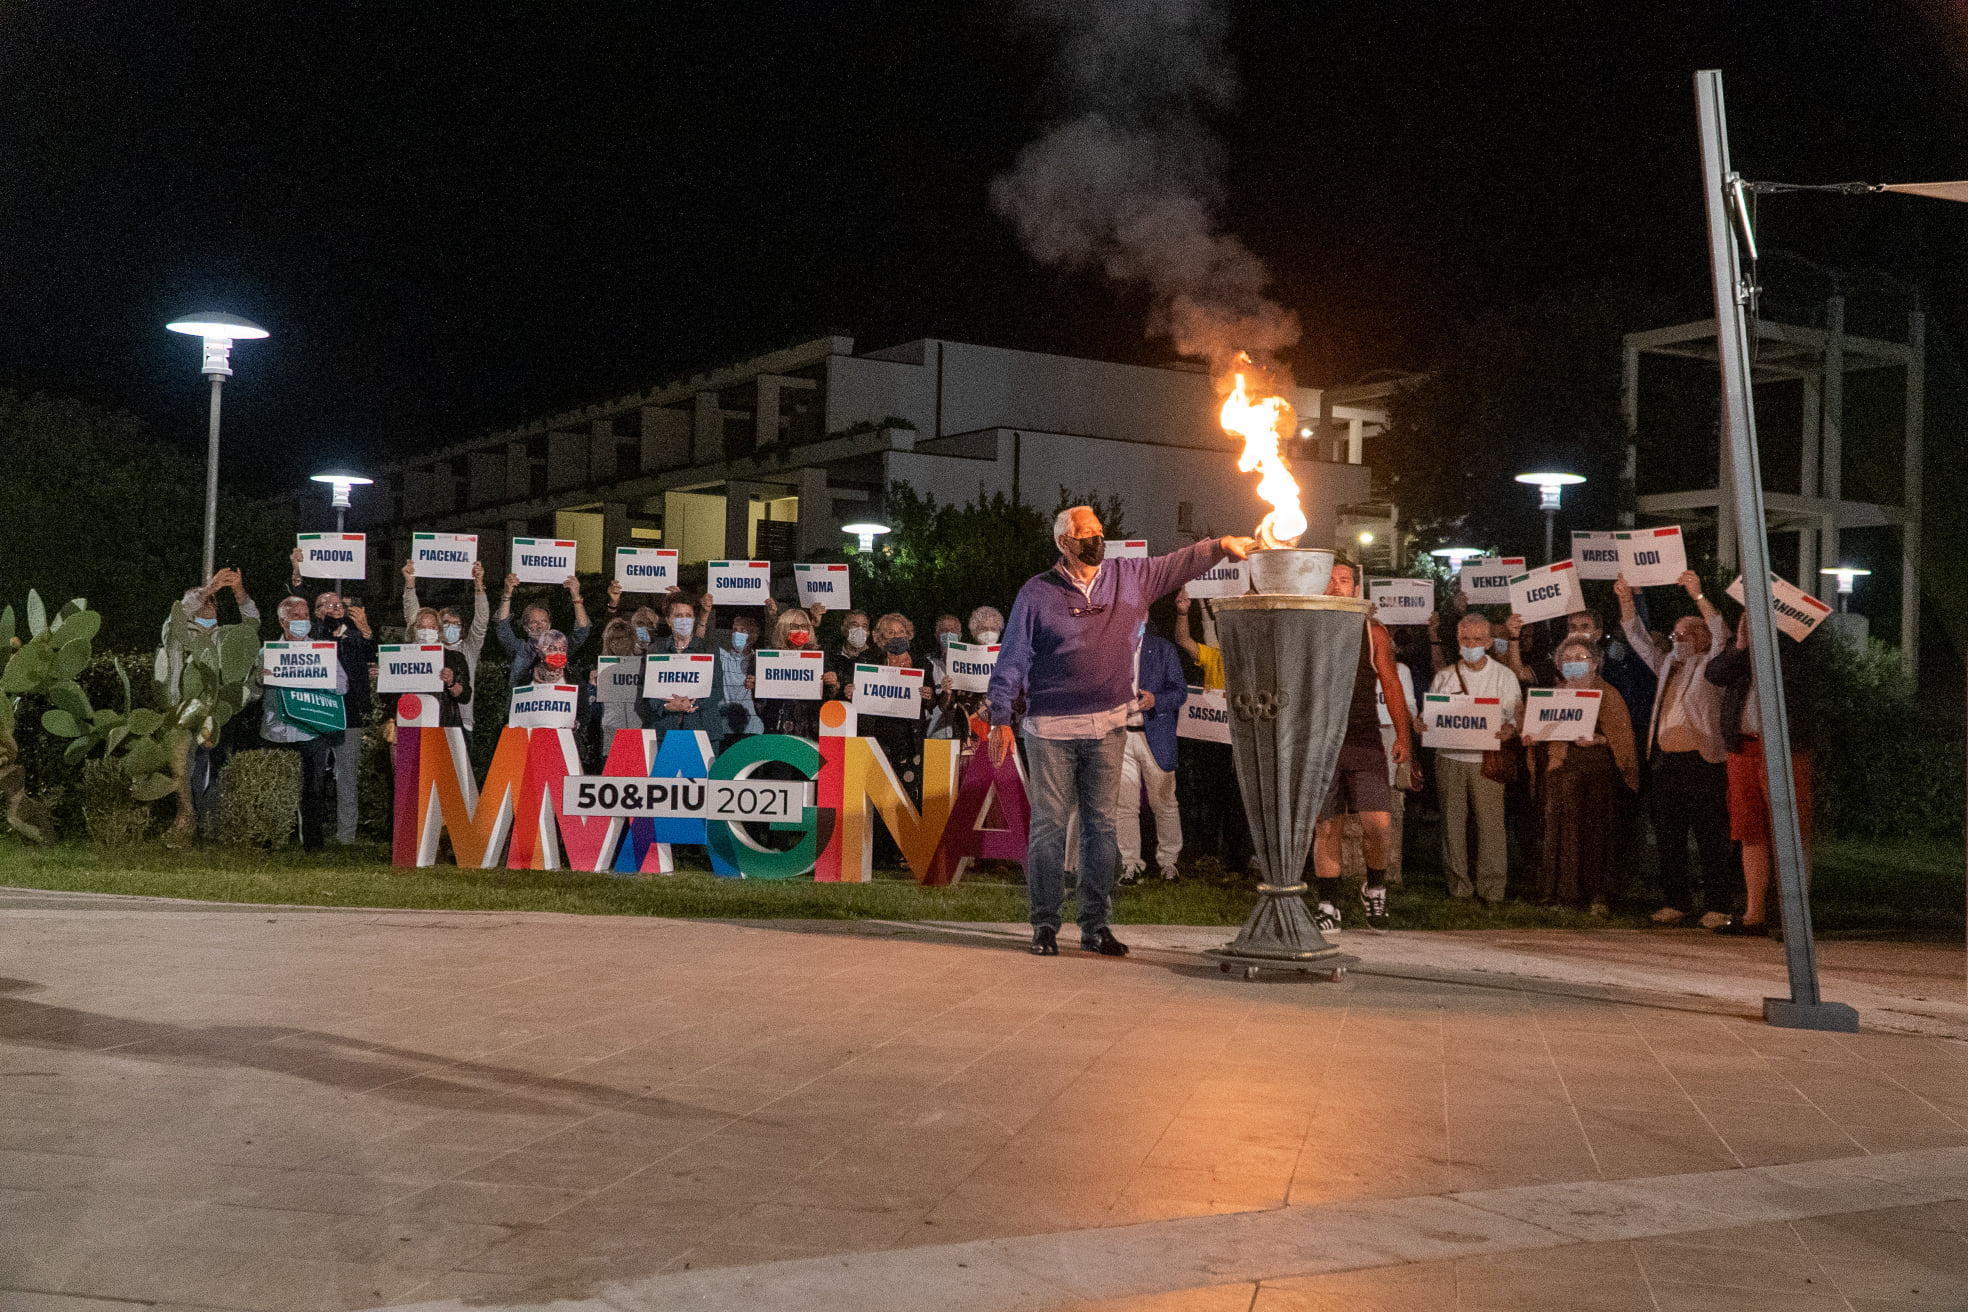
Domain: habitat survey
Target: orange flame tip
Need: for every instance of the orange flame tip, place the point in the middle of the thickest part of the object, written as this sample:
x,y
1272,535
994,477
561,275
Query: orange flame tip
x,y
1257,422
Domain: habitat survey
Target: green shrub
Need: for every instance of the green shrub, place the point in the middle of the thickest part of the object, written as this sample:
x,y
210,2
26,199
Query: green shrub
x,y
1884,764
111,813
259,798
375,789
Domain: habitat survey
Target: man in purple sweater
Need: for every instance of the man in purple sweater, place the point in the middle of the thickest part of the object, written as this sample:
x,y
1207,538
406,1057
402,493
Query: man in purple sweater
x,y
1068,649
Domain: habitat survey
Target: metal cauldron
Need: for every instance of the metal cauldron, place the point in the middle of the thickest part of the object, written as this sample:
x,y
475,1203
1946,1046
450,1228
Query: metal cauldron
x,y
1291,571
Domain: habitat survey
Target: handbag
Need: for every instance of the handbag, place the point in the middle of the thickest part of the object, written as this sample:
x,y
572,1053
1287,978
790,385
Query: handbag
x,y
1499,764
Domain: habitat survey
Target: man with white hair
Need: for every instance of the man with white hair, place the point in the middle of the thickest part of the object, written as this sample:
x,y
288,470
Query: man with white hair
x,y
300,730
1068,649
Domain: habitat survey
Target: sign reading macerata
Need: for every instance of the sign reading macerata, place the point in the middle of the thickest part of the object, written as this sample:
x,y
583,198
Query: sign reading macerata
x,y
543,560
888,690
1796,611
1560,715
1460,723
444,555
1205,716
409,667
299,665
333,555
668,674
618,678
971,664
1485,580
1548,592
1223,579
740,582
1597,555
645,569
789,675
740,800
1402,601
1652,557
823,585
543,706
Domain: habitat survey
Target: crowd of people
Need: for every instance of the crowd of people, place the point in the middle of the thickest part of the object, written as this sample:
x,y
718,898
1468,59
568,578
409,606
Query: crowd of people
x,y
1092,680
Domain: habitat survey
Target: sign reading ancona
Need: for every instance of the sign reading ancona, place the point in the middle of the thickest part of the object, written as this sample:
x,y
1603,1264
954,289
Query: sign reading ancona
x,y
1459,722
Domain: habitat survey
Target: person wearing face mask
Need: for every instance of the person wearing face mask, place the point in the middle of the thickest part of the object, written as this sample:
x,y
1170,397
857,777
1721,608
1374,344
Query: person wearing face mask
x,y
1068,651
1580,788
1687,770
346,624
617,639
791,631
306,733
841,659
1459,778
735,657
966,714
943,716
703,714
193,622
452,630
534,621
901,739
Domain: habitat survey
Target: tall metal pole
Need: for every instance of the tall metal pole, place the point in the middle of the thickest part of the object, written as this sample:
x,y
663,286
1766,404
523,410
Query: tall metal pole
x,y
1804,1009
212,481
1550,518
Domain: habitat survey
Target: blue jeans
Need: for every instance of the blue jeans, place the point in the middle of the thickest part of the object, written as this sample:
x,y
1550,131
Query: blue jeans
x,y
1062,771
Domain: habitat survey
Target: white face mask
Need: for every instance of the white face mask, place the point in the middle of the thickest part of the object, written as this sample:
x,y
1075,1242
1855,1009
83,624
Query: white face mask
x,y
739,640
300,628
857,637
426,635
451,632
684,625
989,637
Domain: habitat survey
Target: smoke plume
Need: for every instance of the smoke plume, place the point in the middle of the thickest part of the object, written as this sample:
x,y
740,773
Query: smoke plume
x,y
1128,178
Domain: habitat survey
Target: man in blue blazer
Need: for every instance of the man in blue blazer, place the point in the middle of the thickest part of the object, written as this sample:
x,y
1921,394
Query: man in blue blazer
x,y
1150,759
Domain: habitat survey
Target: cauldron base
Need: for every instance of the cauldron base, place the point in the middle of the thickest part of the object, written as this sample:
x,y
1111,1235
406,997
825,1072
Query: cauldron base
x,y
1279,935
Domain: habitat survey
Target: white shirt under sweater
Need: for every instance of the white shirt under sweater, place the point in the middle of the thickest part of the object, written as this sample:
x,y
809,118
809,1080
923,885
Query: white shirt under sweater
x,y
1097,724
1493,680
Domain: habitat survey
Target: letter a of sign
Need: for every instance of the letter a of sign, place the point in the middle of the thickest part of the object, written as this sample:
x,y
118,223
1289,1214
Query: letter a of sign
x,y
986,795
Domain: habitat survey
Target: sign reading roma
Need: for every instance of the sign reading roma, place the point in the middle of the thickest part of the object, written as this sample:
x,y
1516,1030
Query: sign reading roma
x,y
526,816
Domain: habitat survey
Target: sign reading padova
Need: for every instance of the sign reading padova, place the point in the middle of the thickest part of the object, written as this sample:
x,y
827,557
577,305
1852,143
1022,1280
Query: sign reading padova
x,y
333,555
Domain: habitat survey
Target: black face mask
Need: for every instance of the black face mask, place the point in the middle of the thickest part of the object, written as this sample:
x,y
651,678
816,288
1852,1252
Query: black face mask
x,y
1089,550
896,646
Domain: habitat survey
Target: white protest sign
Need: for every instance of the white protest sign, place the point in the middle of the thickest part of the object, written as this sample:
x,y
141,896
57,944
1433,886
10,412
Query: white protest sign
x,y
1485,580
618,678
740,582
1560,715
894,690
1652,557
1548,592
823,585
299,665
789,675
1127,549
1459,723
409,667
1224,579
543,560
1402,601
333,555
444,555
1796,611
645,569
1205,716
1597,555
668,674
543,706
971,664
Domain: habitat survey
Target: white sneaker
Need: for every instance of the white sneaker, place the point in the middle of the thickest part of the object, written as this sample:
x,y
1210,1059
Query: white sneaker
x,y
1326,918
1711,919
1668,916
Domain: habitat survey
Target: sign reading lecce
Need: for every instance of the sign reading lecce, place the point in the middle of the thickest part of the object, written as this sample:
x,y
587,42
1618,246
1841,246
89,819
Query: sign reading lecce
x,y
519,816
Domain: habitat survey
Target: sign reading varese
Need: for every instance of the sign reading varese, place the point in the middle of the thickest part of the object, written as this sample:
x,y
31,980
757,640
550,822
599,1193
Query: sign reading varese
x,y
823,585
543,560
789,675
333,555
1597,555
444,555
740,582
645,569
299,665
411,667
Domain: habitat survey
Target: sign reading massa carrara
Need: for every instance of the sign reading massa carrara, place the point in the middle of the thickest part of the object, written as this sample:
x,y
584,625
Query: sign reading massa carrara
x,y
299,665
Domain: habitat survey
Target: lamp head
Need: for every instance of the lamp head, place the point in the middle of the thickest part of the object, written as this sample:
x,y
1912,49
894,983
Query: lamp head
x,y
1844,574
1550,484
220,331
865,533
1456,555
342,484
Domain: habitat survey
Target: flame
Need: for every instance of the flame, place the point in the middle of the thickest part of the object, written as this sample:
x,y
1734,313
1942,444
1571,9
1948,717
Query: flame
x,y
1258,423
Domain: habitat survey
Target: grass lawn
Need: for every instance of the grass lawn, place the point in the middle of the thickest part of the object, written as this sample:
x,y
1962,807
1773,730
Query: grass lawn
x,y
1900,890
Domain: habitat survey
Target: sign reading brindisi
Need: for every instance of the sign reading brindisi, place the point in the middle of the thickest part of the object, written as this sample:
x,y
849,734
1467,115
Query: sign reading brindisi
x,y
740,582
333,555
409,667
788,675
299,665
645,569
731,800
543,560
444,555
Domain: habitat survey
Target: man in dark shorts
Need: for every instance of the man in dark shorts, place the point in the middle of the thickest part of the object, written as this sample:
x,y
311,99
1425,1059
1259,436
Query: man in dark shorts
x,y
1360,784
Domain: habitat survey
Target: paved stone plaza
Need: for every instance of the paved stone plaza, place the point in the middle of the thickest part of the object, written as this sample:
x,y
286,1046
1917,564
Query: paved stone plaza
x,y
280,1108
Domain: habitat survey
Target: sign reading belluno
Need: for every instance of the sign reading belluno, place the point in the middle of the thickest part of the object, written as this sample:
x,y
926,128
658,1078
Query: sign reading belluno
x,y
332,555
299,665
668,674
444,555
740,582
645,569
1223,579
410,667
543,560
789,676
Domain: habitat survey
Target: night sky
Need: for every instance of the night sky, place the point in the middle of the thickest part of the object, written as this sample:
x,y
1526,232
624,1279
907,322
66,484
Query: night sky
x,y
455,218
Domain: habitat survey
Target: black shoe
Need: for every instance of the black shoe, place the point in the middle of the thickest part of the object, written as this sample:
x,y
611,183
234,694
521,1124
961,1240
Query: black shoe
x,y
1045,941
1374,902
1742,929
1104,943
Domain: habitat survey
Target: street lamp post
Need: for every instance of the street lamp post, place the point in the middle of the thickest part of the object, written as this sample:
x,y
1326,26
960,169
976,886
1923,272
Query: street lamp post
x,y
865,533
1550,486
220,331
1844,574
343,483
